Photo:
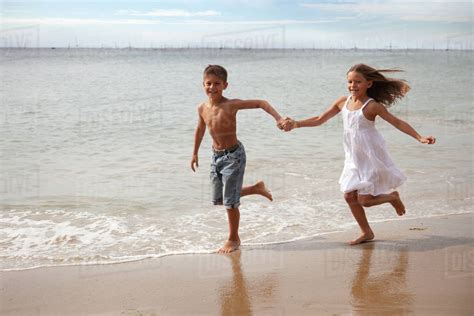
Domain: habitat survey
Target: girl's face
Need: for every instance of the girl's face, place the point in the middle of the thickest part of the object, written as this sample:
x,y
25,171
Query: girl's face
x,y
357,84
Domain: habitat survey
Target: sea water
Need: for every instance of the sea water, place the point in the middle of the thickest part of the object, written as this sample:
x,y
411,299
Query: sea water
x,y
96,145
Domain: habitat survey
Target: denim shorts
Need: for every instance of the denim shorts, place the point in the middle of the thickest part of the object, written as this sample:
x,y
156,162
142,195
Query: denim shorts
x,y
227,176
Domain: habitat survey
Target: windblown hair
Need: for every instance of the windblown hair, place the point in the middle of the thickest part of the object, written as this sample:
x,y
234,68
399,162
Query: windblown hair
x,y
217,71
386,91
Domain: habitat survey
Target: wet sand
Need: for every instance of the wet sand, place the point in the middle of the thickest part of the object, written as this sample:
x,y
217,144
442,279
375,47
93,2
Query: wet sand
x,y
421,266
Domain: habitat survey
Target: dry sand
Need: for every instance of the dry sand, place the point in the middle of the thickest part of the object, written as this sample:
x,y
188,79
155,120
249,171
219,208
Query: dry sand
x,y
418,266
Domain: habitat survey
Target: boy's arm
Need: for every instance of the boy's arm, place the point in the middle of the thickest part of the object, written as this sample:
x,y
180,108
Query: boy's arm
x,y
321,119
254,104
401,125
198,135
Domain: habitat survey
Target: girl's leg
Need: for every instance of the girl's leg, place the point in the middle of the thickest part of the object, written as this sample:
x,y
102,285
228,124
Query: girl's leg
x,y
233,242
359,215
257,188
367,200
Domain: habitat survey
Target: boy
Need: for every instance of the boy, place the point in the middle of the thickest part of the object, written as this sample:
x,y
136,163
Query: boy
x,y
218,114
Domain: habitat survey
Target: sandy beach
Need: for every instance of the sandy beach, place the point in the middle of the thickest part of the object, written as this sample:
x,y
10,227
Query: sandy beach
x,y
421,266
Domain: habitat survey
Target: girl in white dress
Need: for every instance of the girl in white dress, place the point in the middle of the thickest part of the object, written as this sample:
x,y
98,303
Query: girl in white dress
x,y
369,172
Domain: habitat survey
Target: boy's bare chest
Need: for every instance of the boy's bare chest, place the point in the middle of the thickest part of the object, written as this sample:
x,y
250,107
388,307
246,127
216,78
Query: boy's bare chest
x,y
218,117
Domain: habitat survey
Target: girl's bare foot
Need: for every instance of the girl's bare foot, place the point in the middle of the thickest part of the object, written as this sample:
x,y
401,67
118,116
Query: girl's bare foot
x,y
229,246
362,238
397,204
262,190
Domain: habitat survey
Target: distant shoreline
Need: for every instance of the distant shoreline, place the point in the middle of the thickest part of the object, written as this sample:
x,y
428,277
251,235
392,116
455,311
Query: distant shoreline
x,y
240,49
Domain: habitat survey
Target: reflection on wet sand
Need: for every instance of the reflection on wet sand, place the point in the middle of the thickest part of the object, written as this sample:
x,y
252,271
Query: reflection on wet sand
x,y
236,293
234,296
373,290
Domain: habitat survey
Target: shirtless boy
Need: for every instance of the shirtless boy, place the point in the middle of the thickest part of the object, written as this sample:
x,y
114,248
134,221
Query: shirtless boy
x,y
218,114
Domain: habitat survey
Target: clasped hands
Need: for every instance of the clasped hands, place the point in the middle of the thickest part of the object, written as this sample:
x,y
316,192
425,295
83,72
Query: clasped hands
x,y
286,124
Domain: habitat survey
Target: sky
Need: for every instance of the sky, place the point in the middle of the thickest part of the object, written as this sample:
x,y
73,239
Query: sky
x,y
381,24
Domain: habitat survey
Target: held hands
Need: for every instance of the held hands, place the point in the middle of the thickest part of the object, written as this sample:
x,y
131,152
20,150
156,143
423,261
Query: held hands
x,y
286,124
430,140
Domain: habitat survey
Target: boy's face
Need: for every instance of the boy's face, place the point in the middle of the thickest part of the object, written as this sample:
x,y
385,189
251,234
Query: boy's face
x,y
214,86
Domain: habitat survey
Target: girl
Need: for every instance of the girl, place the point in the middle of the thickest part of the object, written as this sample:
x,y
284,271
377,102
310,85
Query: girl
x,y
369,172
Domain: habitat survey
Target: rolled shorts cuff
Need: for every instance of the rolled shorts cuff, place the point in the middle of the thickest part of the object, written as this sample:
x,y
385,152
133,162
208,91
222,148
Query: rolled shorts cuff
x,y
234,205
218,202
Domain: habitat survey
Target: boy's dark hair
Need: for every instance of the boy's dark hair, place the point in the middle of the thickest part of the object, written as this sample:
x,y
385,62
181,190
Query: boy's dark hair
x,y
383,90
217,71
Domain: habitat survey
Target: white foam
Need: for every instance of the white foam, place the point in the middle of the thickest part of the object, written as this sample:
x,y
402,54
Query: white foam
x,y
35,238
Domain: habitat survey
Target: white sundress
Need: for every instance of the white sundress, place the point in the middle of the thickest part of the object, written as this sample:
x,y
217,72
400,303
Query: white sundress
x,y
368,167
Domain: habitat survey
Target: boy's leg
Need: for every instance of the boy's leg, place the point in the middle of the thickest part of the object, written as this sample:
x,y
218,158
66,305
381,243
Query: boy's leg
x,y
233,241
359,215
258,188
216,182
393,198
232,177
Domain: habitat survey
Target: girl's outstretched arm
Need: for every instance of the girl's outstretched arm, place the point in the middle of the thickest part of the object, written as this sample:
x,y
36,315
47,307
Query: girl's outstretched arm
x,y
403,126
317,120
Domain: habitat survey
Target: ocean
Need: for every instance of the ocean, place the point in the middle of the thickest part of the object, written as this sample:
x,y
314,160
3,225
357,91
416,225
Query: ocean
x,y
96,145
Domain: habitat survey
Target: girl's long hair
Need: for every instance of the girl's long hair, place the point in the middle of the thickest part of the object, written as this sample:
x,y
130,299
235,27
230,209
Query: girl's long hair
x,y
386,91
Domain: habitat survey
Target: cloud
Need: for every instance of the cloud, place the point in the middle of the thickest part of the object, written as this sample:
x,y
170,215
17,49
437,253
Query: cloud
x,y
169,13
98,22
421,10
259,22
75,22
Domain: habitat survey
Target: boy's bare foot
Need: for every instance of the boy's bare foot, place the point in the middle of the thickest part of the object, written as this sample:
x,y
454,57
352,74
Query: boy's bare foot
x,y
229,246
362,238
262,190
397,204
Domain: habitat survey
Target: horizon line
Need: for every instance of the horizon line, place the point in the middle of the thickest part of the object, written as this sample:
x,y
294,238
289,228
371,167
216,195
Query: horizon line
x,y
231,48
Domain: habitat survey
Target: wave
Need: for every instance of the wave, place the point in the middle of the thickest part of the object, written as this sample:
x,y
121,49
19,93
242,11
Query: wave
x,y
33,263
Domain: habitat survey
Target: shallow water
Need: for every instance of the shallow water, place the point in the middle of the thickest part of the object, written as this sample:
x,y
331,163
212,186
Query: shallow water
x,y
96,145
